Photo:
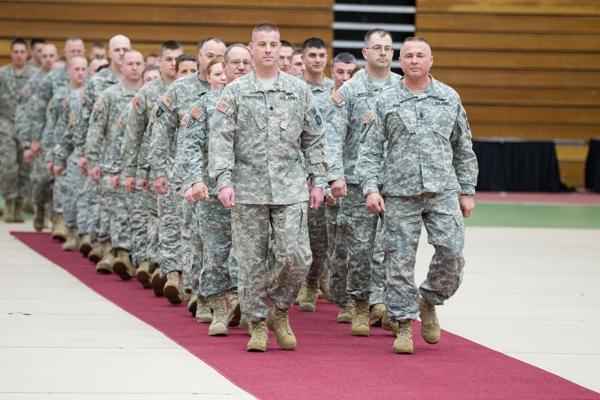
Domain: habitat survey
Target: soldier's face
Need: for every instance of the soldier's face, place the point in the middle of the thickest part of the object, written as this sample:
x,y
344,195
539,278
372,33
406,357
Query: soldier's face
x,y
167,62
151,75
36,52
238,63
97,53
95,64
379,52
74,48
48,57
297,65
415,59
118,47
209,50
341,72
78,70
187,68
314,60
151,60
18,55
265,48
285,59
132,66
216,77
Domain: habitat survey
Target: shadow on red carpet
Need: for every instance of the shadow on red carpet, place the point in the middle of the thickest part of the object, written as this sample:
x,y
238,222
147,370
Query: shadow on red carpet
x,y
329,363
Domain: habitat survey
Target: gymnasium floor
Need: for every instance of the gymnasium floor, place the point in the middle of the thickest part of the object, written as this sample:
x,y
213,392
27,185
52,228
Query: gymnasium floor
x,y
531,291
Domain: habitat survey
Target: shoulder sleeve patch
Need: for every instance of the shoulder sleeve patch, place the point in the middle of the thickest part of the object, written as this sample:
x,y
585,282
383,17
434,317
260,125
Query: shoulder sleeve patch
x,y
196,113
223,107
337,98
166,101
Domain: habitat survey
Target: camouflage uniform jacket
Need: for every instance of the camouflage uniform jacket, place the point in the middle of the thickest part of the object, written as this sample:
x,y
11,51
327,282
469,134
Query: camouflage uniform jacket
x,y
352,101
174,105
30,88
256,138
11,84
138,128
55,109
429,147
63,131
92,90
192,146
107,125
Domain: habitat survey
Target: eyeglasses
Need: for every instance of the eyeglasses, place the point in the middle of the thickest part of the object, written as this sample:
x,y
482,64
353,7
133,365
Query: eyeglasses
x,y
237,63
377,48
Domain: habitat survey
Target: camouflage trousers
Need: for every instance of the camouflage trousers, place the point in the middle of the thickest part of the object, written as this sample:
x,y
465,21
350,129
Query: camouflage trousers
x,y
60,189
73,182
404,217
337,256
139,205
191,246
377,281
118,216
41,182
98,230
317,232
358,227
169,233
14,171
219,266
291,256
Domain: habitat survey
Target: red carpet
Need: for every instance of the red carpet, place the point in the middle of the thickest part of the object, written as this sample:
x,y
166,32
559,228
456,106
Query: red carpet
x,y
329,363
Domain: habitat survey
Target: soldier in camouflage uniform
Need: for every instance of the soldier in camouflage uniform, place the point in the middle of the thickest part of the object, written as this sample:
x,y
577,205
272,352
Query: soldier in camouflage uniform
x,y
428,177
36,112
314,56
263,121
357,227
62,156
14,171
97,243
143,202
218,276
173,107
103,152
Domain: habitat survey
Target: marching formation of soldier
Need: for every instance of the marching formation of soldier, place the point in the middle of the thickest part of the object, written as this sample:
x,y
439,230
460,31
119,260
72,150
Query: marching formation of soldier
x,y
243,180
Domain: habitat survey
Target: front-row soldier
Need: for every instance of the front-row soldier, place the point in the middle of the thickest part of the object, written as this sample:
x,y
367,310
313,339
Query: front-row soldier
x,y
428,177
263,121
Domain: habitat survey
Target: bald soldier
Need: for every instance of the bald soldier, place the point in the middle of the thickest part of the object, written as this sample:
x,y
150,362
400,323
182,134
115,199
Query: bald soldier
x,y
263,121
428,176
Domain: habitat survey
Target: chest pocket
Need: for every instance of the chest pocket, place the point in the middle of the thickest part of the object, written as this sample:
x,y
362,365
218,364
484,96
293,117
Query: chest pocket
x,y
255,116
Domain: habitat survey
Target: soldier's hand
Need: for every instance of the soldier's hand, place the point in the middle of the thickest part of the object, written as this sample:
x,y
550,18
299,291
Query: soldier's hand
x,y
187,196
36,147
49,165
82,165
161,185
329,199
57,170
130,184
227,197
316,197
199,191
375,203
467,205
339,188
144,184
94,174
115,181
28,156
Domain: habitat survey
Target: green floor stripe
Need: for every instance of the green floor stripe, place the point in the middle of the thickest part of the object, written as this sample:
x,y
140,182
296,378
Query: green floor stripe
x,y
535,216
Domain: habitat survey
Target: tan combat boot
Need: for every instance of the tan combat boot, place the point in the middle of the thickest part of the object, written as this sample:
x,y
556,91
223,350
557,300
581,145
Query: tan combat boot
x,y
38,217
345,315
203,313
97,252
157,282
18,211
235,314
430,326
122,265
325,287
360,319
72,242
309,301
143,274
220,316
9,211
192,305
301,294
172,289
258,337
104,266
278,322
59,231
376,314
85,245
403,344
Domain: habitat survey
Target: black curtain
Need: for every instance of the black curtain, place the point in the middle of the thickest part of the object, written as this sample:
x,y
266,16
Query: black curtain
x,y
592,166
517,167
